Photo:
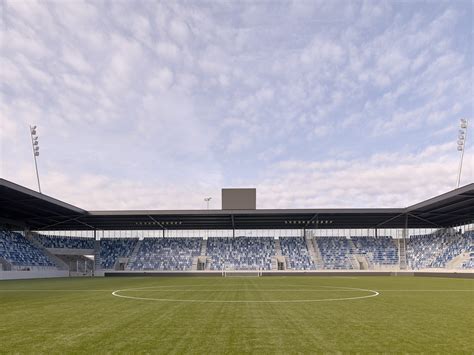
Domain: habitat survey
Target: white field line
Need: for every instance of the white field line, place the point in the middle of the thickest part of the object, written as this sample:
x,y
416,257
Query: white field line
x,y
471,290
155,288
53,290
372,294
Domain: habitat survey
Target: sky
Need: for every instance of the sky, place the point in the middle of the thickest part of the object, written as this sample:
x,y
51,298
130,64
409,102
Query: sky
x,y
157,105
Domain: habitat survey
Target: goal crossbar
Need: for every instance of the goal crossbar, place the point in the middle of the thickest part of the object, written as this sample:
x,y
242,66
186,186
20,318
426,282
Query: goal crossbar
x,y
241,273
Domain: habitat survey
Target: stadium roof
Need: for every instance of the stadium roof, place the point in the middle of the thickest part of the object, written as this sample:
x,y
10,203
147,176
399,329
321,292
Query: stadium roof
x,y
24,207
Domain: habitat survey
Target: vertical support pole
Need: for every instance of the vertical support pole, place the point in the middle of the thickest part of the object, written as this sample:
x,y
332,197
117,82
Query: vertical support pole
x,y
403,258
34,156
462,156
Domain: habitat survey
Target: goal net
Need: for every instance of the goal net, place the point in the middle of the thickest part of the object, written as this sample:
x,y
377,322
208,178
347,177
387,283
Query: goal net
x,y
241,273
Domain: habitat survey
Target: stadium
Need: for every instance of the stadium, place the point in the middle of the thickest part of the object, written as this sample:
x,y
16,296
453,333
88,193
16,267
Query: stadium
x,y
285,177
309,259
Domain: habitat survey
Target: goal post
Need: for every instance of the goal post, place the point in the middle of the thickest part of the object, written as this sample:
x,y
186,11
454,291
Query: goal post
x,y
241,273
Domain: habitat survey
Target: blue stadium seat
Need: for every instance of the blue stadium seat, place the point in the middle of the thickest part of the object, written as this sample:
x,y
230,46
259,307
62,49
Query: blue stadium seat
x,y
380,250
167,254
296,252
19,251
62,242
113,248
335,252
241,253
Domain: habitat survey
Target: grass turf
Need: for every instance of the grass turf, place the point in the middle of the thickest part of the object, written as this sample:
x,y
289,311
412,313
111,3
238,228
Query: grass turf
x,y
411,314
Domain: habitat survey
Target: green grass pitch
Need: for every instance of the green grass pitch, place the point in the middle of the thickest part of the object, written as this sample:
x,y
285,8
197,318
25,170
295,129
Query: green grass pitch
x,y
238,315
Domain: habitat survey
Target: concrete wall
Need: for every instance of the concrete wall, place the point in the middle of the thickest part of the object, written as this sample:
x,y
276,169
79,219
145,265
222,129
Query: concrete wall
x,y
12,275
16,275
162,273
460,274
66,251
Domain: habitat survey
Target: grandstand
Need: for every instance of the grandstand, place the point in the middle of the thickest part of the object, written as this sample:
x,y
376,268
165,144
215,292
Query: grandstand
x,y
112,249
316,240
165,254
379,251
18,253
61,242
241,253
296,253
431,251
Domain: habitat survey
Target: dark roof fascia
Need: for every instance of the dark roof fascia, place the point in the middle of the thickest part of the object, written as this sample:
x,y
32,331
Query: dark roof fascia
x,y
46,198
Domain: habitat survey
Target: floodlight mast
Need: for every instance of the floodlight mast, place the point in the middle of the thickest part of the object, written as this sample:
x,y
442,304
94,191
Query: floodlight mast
x,y
463,125
35,147
208,199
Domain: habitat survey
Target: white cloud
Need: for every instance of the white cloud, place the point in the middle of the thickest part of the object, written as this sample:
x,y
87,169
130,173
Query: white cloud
x,y
179,31
264,94
161,79
167,50
294,98
394,180
76,60
321,50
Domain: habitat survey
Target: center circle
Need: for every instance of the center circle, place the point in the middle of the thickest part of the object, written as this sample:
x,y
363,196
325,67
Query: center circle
x,y
335,294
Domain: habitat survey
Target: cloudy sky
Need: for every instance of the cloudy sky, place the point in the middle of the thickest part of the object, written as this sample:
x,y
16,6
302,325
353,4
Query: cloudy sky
x,y
144,104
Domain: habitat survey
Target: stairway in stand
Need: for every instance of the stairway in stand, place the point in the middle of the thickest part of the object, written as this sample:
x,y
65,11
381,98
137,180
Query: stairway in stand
x,y
97,255
59,263
402,252
318,259
134,254
203,247
277,247
352,255
311,251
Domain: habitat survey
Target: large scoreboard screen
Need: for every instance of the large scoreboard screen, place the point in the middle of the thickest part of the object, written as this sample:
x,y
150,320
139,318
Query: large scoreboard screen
x,y
239,199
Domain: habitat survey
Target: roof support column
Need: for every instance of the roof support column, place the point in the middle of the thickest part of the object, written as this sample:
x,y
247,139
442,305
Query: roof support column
x,y
402,252
233,225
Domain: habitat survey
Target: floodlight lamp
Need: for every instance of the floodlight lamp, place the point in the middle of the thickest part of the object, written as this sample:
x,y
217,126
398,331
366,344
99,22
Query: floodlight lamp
x,y
37,154
460,142
33,132
461,137
35,142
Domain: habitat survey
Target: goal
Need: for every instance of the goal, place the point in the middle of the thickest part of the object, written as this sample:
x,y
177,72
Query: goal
x,y
241,273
